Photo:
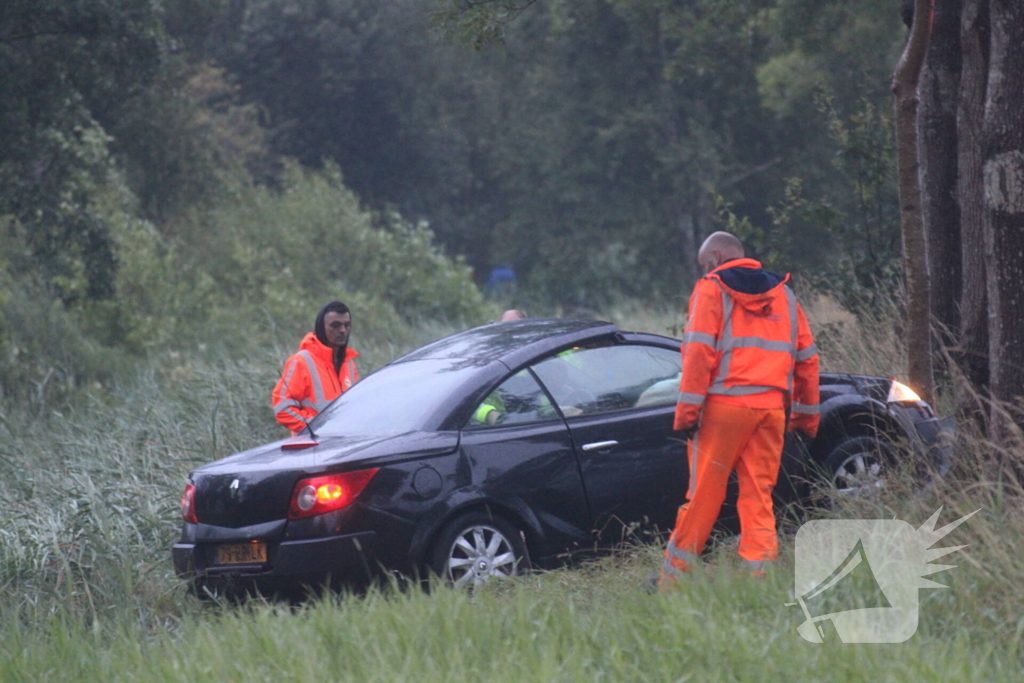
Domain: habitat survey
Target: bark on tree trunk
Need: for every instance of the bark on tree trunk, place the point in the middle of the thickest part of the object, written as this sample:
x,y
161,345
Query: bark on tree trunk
x,y
971,353
1003,177
688,237
915,257
940,83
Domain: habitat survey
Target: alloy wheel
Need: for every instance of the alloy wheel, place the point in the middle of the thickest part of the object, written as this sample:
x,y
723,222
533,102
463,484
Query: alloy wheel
x,y
859,472
480,553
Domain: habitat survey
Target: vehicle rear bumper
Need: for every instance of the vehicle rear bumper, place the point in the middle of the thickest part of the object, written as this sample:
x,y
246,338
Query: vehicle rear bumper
x,y
343,560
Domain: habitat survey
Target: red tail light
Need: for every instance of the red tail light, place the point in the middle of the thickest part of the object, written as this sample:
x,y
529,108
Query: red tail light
x,y
188,504
317,495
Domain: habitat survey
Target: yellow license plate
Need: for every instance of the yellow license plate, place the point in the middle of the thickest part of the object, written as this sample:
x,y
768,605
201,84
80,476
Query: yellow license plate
x,y
242,553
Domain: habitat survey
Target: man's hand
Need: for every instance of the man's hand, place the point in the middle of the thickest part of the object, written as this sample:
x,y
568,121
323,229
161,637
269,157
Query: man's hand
x,y
799,426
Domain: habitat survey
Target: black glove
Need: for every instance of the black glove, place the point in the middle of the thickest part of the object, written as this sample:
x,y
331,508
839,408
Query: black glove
x,y
687,434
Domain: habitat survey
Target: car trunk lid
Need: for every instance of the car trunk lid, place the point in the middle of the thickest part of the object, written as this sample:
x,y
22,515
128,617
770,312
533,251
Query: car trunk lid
x,y
255,486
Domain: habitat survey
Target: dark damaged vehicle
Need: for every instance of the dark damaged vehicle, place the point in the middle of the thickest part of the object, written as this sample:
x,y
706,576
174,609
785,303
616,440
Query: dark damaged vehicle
x,y
496,449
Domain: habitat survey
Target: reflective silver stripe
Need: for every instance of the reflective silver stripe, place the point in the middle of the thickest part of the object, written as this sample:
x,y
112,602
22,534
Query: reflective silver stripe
x,y
805,408
692,399
671,570
693,466
760,343
791,301
296,415
742,390
727,343
699,338
676,552
287,403
806,354
285,390
724,338
319,398
315,405
350,367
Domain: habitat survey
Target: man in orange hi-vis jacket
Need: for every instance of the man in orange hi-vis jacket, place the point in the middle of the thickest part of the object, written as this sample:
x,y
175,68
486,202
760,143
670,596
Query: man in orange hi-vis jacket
x,y
749,367
323,369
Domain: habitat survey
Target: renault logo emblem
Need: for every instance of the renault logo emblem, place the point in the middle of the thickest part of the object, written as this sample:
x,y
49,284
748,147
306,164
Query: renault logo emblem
x,y
234,487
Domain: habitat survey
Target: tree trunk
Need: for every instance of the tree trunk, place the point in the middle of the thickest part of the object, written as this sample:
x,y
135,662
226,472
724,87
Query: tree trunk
x,y
915,257
940,83
688,238
1003,177
971,354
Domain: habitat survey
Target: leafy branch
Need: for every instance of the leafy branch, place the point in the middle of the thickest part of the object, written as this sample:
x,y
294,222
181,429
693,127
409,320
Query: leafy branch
x,y
480,23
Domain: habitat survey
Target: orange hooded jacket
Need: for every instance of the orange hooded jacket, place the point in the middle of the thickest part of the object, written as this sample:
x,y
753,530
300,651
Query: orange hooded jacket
x,y
747,343
309,382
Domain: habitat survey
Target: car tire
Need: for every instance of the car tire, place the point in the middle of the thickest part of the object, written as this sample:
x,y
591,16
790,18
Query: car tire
x,y
858,465
477,547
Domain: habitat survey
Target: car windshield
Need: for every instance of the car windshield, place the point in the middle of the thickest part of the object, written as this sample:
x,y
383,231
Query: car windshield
x,y
396,399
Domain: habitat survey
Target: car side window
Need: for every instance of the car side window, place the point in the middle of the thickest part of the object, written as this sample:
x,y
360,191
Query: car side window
x,y
519,399
586,381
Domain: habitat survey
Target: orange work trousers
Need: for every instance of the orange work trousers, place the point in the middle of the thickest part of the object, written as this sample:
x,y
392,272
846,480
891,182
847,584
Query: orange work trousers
x,y
750,441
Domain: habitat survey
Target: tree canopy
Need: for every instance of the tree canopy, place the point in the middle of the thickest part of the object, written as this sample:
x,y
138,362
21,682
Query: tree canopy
x,y
588,144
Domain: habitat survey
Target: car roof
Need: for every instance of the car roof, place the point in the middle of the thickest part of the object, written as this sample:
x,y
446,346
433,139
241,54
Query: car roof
x,y
515,342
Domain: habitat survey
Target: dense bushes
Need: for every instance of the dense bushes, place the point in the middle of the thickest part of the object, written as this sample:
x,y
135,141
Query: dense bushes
x,y
274,248
244,274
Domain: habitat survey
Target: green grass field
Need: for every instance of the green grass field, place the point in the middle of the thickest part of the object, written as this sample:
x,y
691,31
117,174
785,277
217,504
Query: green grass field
x,y
87,593
590,623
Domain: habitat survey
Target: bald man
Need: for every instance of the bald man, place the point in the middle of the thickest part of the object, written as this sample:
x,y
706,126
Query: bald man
x,y
510,315
749,367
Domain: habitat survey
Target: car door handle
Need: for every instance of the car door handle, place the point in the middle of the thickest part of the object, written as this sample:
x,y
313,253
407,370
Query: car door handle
x,y
599,445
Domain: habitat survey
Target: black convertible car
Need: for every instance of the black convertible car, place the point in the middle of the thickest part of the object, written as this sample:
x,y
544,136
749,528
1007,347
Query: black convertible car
x,y
503,447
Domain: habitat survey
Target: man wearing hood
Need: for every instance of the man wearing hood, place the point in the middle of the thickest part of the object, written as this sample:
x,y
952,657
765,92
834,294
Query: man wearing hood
x,y
750,373
322,370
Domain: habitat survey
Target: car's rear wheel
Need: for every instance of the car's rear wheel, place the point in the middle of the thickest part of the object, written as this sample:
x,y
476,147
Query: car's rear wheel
x,y
478,547
859,465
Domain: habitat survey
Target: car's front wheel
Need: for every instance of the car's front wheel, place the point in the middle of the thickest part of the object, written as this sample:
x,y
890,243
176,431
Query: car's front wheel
x,y
858,465
478,547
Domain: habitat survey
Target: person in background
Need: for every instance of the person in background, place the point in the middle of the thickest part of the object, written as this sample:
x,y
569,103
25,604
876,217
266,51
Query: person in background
x,y
323,368
501,280
510,315
750,371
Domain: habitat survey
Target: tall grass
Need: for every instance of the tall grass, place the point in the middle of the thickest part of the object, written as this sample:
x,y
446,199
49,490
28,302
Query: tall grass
x,y
90,494
590,624
89,509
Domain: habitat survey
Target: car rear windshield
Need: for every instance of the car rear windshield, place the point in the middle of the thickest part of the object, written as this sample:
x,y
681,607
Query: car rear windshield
x,y
396,399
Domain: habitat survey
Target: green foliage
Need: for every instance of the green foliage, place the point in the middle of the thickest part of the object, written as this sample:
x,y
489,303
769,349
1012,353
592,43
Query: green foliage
x,y
862,218
850,48
149,190
289,250
44,357
858,218
481,23
787,82
248,273
66,68
185,140
773,248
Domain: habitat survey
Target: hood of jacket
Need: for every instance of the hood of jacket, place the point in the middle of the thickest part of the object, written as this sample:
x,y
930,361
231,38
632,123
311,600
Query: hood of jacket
x,y
322,352
750,285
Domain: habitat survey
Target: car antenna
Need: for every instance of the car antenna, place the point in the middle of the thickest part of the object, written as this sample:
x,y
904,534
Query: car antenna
x,y
293,445
312,435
